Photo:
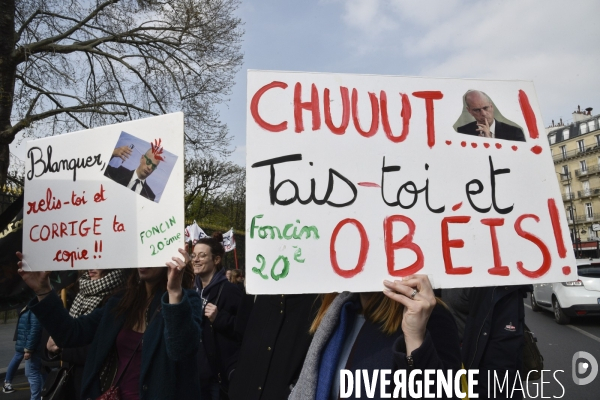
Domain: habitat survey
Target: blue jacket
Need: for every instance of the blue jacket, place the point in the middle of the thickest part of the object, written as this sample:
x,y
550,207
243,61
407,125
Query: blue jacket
x,y
29,331
169,366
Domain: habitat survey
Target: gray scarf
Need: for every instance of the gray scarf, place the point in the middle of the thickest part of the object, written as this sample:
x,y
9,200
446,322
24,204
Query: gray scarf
x,y
306,388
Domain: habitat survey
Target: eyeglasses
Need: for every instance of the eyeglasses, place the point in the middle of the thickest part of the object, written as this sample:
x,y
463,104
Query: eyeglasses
x,y
198,255
149,162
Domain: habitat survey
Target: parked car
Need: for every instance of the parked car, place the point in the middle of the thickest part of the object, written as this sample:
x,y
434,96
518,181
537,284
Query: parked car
x,y
577,298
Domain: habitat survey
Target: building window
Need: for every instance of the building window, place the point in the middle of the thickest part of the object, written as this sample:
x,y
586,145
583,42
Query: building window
x,y
583,128
552,138
586,188
580,146
592,125
565,134
570,213
597,140
589,213
568,190
583,165
563,151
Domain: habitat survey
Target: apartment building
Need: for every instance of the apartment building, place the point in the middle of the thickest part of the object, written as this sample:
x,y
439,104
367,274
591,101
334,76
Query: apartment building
x,y
576,154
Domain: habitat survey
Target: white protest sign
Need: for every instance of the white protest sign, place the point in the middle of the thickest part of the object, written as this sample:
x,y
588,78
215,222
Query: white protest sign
x,y
352,179
228,241
193,233
108,197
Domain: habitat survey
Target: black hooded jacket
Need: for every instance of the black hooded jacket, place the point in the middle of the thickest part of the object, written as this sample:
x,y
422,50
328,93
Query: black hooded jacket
x,y
221,345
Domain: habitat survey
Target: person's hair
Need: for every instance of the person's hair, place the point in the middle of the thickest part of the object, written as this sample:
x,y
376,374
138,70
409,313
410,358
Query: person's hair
x,y
134,302
235,274
216,247
379,309
470,92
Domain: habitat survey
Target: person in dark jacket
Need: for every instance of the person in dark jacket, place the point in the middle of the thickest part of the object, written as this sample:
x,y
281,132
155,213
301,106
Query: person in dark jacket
x,y
94,288
155,307
276,339
220,343
27,339
402,329
493,337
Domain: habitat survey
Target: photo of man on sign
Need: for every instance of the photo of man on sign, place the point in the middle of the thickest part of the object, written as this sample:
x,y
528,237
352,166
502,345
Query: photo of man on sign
x,y
137,177
488,120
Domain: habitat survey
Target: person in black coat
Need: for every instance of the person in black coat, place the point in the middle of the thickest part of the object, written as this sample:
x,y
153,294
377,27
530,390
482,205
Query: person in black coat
x,y
276,339
156,308
220,343
480,106
493,336
94,287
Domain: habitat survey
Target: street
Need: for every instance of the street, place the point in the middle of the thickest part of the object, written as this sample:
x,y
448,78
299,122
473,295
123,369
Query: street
x,y
7,350
558,344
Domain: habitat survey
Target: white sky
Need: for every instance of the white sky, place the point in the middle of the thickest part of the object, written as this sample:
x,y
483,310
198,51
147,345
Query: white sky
x,y
551,42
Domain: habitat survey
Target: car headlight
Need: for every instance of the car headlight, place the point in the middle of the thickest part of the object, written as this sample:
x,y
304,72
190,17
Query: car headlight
x,y
573,283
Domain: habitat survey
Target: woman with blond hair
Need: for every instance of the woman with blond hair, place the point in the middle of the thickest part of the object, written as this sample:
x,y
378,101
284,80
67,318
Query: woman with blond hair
x,y
403,328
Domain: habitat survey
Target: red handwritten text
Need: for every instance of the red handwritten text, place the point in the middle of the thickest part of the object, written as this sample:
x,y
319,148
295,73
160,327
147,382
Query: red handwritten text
x,y
70,256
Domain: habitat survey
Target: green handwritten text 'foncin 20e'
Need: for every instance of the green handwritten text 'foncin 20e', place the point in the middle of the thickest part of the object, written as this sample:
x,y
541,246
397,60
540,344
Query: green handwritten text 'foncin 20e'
x,y
160,229
289,231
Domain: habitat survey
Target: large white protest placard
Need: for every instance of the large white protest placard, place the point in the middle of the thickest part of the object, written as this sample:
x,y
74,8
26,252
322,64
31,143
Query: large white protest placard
x,y
353,179
108,197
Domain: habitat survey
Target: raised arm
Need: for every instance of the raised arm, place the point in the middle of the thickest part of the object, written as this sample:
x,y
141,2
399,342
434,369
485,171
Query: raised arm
x,y
182,312
48,308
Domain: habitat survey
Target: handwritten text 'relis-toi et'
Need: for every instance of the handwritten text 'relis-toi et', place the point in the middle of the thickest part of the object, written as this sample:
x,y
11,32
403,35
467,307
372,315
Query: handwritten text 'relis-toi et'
x,y
50,202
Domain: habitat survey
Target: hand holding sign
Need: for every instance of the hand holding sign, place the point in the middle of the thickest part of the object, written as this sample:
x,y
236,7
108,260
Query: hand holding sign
x,y
175,275
414,292
39,282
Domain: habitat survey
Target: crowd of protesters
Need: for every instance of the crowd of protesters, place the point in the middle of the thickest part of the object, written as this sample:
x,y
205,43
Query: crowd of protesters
x,y
190,331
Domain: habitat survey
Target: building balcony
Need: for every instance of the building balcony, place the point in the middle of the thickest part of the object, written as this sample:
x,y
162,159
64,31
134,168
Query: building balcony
x,y
587,218
576,153
564,177
582,194
590,170
568,196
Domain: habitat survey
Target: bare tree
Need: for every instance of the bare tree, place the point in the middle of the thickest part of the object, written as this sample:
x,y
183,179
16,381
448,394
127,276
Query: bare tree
x,y
67,65
205,180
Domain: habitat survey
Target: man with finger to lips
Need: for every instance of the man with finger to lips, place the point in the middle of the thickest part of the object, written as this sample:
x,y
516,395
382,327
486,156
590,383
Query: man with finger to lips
x,y
480,106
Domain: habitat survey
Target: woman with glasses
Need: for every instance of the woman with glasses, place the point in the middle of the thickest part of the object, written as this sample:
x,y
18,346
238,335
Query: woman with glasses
x,y
220,344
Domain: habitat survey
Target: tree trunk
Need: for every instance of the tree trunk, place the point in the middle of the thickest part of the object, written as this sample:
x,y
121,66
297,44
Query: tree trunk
x,y
7,82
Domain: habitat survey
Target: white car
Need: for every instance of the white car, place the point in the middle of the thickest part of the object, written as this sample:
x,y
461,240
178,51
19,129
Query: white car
x,y
571,299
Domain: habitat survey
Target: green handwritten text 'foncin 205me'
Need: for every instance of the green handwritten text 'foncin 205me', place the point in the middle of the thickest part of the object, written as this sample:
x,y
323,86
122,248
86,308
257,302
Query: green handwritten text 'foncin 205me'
x,y
289,231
